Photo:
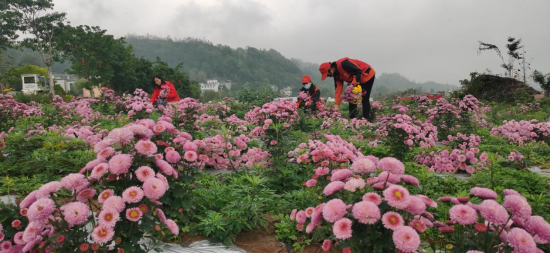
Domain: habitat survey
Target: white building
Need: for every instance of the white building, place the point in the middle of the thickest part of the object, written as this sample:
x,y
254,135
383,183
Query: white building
x,y
214,85
274,87
287,91
65,81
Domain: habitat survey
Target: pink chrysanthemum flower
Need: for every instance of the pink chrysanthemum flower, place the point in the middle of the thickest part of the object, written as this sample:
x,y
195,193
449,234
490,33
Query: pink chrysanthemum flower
x,y
311,183
41,209
102,234
190,156
392,220
86,194
119,164
293,214
341,175
309,211
154,188
419,225
397,196
386,177
104,195
521,241
164,167
342,229
114,202
48,188
32,231
108,217
99,170
493,212
517,205
75,213
416,205
321,171
372,197
429,202
326,245
355,183
173,157
15,224
510,192
539,226
317,215
406,239
334,210
133,194
301,217
333,187
105,153
161,215
463,214
363,165
74,181
18,238
121,136
484,193
147,148
133,214
27,201
410,180
366,212
172,226
391,165
144,172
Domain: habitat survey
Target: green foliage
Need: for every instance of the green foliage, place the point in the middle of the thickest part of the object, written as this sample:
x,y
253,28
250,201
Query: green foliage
x,y
494,88
256,96
543,80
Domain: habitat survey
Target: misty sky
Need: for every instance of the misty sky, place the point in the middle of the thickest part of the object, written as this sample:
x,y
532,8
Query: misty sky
x,y
424,40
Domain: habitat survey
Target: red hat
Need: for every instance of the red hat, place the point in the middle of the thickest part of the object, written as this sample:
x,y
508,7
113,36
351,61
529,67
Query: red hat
x,y
306,79
324,70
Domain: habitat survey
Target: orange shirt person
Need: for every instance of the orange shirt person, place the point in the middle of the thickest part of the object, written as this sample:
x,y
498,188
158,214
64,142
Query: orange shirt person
x,y
352,71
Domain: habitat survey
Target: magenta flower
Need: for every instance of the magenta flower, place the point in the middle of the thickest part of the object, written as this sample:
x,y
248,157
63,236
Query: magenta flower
x,y
372,197
391,165
521,241
190,156
99,170
173,157
75,213
392,220
108,217
463,214
104,195
341,175
493,212
119,164
133,194
406,239
366,212
301,217
334,210
539,226
326,245
342,229
517,205
86,194
397,196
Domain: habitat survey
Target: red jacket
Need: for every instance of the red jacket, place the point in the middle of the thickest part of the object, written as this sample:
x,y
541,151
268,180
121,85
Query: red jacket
x,y
349,70
172,96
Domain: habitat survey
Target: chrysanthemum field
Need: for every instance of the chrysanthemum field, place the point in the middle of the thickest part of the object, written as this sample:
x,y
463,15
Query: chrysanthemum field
x,y
118,175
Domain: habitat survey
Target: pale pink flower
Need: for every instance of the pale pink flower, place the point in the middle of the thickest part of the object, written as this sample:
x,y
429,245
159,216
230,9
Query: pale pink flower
x,y
517,205
132,194
119,164
539,226
102,234
48,188
147,148
172,226
133,214
41,209
154,188
392,220
309,211
416,205
484,193
27,201
372,197
190,146
410,180
173,157
493,212
144,172
165,167
321,171
463,214
85,194
419,225
397,196
429,202
32,231
341,175
114,202
366,212
355,183
190,156
342,229
334,210
363,165
74,181
301,217
75,213
311,183
385,176
108,217
105,153
333,187
293,214
99,170
521,241
104,195
391,165
406,239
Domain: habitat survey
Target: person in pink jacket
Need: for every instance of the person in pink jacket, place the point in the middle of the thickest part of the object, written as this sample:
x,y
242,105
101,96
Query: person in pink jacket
x,y
164,93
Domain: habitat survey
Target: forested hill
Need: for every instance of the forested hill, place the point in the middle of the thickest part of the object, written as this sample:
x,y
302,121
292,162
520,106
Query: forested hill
x,y
203,60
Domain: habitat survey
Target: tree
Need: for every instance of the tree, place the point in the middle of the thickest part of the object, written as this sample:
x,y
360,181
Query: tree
x,y
12,76
9,24
513,46
543,80
31,17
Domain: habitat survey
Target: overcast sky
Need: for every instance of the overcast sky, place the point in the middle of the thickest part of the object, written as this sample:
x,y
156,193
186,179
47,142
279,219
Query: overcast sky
x,y
424,40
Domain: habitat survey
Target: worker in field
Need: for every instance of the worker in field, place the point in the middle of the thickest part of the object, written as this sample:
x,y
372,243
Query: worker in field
x,y
355,72
309,96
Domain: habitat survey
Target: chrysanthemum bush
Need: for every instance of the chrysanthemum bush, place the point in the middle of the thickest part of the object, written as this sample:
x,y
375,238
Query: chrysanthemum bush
x,y
469,160
368,212
138,106
401,133
521,132
483,224
361,210
11,111
113,202
450,117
